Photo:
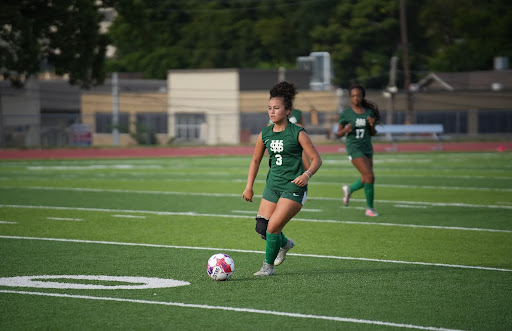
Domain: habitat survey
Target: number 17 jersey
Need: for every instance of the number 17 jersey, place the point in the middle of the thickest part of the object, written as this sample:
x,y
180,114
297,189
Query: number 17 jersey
x,y
360,137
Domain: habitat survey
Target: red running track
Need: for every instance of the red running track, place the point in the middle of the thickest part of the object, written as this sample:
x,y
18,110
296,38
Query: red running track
x,y
133,152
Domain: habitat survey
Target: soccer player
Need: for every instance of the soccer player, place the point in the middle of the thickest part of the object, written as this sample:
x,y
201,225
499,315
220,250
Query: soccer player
x,y
358,123
286,186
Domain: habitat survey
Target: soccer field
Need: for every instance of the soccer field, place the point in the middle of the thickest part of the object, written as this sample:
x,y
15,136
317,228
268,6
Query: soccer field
x,y
439,256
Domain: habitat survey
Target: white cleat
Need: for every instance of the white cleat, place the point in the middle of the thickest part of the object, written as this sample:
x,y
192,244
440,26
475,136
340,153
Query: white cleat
x,y
266,270
371,212
281,256
346,195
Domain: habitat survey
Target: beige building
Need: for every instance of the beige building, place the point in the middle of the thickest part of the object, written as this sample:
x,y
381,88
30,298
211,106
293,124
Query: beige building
x,y
228,106
206,106
132,106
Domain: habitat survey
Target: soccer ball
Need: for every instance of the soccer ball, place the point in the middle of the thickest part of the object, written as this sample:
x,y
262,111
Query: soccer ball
x,y
220,266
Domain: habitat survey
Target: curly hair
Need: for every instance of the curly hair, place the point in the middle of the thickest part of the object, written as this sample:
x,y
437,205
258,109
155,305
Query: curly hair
x,y
284,90
367,103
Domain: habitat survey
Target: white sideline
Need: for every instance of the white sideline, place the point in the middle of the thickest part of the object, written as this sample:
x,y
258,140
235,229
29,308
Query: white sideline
x,y
236,309
258,252
229,195
170,213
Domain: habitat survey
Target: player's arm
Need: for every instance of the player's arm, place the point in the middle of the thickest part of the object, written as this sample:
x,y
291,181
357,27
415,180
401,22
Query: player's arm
x,y
371,124
254,166
342,129
313,155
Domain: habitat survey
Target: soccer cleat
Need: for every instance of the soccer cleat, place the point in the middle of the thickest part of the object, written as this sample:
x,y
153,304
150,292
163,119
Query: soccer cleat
x,y
281,256
371,212
346,194
266,270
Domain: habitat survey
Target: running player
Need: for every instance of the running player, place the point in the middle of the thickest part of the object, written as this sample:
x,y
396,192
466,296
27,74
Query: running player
x,y
286,185
358,123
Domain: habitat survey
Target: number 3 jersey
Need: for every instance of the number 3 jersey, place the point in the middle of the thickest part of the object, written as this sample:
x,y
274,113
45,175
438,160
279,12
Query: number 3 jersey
x,y
360,137
285,157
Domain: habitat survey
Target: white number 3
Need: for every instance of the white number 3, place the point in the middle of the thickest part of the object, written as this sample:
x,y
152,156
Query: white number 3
x,y
279,159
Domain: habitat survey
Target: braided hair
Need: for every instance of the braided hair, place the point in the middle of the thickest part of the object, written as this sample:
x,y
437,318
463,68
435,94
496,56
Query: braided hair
x,y
367,103
284,90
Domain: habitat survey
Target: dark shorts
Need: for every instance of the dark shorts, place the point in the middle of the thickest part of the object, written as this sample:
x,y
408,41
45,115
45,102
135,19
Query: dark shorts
x,y
355,153
274,195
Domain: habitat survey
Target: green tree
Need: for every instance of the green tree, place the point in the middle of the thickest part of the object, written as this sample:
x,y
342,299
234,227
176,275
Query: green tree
x,y
466,35
62,34
361,36
213,34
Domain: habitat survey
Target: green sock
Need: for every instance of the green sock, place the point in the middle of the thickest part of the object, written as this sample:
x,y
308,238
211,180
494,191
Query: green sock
x,y
357,185
369,192
284,240
273,246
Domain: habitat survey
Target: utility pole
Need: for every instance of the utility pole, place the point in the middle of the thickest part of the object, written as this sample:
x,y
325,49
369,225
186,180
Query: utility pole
x,y
409,118
391,89
3,136
115,108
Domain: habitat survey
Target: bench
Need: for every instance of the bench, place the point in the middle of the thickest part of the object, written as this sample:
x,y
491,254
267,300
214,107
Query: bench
x,y
393,130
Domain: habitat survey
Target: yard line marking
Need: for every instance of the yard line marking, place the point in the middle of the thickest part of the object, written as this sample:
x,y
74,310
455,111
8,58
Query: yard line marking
x,y
244,211
190,213
229,195
236,309
309,210
409,206
65,219
431,187
256,252
255,211
7,222
129,216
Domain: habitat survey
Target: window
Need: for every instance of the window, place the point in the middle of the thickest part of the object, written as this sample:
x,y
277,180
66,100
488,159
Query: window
x,y
189,126
103,122
153,122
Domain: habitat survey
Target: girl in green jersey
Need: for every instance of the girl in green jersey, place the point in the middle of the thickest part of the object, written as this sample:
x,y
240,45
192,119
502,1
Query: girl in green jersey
x,y
358,123
286,186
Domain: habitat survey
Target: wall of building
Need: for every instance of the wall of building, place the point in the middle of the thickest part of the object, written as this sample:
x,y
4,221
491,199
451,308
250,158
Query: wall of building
x,y
20,114
214,93
131,103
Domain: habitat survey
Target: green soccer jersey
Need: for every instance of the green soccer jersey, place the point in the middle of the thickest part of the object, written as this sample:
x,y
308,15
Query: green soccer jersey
x,y
285,153
360,137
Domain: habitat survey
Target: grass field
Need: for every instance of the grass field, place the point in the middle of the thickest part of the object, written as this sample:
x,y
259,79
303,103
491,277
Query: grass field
x,y
438,257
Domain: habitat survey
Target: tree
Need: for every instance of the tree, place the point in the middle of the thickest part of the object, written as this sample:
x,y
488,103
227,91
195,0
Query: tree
x,y
213,34
361,36
466,35
61,34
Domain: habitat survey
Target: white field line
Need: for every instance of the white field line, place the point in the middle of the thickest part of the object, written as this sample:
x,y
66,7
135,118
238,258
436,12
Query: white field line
x,y
229,195
252,211
257,252
182,175
7,222
236,309
65,219
409,206
430,187
128,216
194,214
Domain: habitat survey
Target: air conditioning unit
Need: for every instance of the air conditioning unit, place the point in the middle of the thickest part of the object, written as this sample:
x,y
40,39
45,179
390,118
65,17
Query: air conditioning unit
x,y
320,66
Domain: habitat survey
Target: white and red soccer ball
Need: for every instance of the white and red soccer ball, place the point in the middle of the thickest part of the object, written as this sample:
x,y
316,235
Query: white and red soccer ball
x,y
220,266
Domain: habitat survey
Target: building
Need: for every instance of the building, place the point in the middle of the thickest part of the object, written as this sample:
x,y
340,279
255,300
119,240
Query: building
x,y
229,106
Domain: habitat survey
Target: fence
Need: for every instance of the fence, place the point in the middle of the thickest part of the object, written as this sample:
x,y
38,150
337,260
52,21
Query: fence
x,y
63,129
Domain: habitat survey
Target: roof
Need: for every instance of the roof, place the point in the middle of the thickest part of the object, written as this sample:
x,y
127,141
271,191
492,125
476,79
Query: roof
x,y
492,80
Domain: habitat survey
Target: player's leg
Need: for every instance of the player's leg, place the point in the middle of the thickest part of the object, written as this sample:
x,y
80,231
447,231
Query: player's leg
x,y
365,166
267,206
354,155
285,210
